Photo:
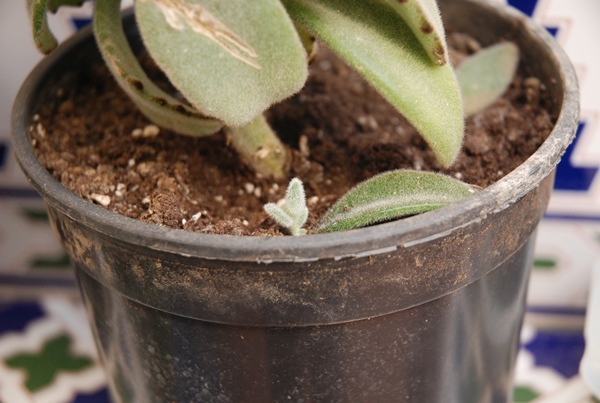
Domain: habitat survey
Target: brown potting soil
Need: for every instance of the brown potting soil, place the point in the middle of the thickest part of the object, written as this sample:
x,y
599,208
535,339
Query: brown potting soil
x,y
339,131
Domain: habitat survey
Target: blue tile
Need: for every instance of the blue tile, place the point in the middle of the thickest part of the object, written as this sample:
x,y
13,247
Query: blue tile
x,y
80,22
528,7
100,396
15,317
553,31
560,350
525,6
571,177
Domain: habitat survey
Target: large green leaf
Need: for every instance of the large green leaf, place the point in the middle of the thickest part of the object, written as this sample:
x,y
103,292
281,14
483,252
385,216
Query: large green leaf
x,y
379,44
157,105
231,59
392,195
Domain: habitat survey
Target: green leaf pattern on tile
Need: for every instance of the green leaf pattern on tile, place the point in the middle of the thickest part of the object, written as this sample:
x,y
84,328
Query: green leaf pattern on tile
x,y
43,367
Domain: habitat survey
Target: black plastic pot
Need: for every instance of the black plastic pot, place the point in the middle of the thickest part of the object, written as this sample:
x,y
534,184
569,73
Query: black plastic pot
x,y
426,309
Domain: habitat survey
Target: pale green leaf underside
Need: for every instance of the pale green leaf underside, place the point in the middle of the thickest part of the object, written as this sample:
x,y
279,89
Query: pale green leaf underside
x,y
43,38
392,195
485,76
231,59
423,18
158,106
377,42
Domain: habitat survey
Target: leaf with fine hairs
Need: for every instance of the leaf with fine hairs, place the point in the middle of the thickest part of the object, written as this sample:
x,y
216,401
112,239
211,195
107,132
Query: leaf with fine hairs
x,y
230,59
377,42
292,214
423,18
392,195
157,105
44,40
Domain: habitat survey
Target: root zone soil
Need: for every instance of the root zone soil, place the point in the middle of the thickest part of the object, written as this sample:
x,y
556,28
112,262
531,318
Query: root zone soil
x,y
339,130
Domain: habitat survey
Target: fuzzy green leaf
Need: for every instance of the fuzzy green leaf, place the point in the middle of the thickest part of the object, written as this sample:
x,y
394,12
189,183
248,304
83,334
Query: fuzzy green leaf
x,y
392,195
379,44
293,213
279,216
42,36
423,18
158,106
295,202
231,59
485,76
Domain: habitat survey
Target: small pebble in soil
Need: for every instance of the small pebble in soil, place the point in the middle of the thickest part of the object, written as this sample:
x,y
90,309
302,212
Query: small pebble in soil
x,y
103,200
249,187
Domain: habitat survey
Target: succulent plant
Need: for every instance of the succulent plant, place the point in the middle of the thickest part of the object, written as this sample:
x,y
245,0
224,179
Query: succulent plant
x,y
293,212
231,60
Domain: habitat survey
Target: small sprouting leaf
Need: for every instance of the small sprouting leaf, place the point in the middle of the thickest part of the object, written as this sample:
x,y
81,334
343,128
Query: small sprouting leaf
x,y
42,36
279,216
423,18
230,59
158,106
485,76
392,195
292,214
379,44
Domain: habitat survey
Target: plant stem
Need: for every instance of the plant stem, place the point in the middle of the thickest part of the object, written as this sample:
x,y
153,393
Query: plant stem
x,y
260,148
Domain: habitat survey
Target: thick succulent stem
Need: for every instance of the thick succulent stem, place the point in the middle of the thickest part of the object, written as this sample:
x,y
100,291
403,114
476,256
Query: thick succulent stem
x,y
260,148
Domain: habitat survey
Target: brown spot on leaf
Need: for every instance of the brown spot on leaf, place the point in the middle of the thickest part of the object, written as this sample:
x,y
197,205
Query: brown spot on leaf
x,y
426,27
161,101
137,84
439,53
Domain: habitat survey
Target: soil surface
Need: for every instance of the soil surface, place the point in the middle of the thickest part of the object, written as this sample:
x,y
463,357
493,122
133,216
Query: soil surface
x,y
340,132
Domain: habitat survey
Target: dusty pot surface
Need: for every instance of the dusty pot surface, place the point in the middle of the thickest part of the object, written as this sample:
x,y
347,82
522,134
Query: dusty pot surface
x,y
425,309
